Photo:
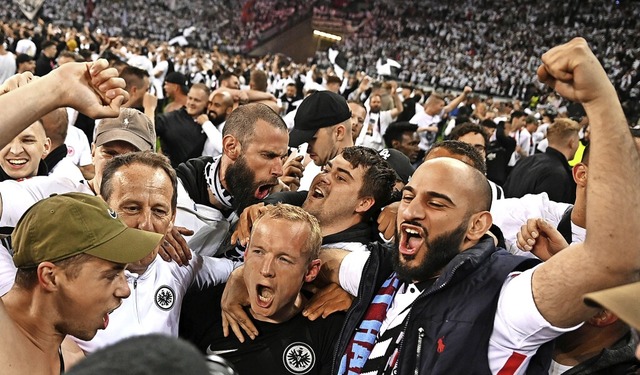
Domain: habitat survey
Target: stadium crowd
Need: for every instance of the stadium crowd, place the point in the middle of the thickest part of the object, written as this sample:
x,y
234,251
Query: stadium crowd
x,y
320,217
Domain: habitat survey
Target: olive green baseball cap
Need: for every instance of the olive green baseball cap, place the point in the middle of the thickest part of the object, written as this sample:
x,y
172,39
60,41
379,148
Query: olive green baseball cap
x,y
624,301
69,224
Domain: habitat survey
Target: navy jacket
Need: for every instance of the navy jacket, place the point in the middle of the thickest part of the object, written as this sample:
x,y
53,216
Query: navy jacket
x,y
457,312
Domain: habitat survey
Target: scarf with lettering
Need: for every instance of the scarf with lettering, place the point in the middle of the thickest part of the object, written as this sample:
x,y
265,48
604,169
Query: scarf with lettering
x,y
364,338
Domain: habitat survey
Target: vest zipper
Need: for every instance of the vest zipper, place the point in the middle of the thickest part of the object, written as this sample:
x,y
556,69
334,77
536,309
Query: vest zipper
x,y
420,329
419,350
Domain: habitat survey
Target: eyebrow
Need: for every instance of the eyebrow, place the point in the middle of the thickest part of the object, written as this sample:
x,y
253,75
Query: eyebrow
x,y
433,194
342,170
115,267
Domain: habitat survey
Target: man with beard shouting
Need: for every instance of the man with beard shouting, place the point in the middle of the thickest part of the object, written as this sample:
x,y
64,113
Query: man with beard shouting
x,y
445,300
212,190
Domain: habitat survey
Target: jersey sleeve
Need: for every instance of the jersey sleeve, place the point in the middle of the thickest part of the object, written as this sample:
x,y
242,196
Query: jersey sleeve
x,y
211,271
518,329
351,271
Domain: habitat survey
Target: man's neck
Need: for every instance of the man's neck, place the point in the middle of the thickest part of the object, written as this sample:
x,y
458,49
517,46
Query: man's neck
x,y
339,225
29,315
565,151
579,212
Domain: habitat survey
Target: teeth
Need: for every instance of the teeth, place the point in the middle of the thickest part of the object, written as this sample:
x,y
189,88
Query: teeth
x,y
18,162
412,231
265,294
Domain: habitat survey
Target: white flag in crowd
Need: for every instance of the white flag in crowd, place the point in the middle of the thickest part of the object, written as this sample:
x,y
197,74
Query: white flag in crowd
x,y
29,7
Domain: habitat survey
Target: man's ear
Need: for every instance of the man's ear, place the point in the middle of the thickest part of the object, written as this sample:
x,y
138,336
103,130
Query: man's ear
x,y
231,147
602,319
47,147
395,143
579,173
340,132
364,204
93,150
479,224
47,274
312,271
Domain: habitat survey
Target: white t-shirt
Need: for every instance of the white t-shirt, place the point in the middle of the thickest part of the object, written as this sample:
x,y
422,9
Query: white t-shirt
x,y
523,139
26,46
518,328
66,168
18,196
7,271
379,123
7,66
78,148
425,120
213,144
512,213
157,82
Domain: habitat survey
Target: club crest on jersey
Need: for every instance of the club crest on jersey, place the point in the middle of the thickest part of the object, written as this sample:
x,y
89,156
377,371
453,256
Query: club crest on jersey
x,y
165,297
298,358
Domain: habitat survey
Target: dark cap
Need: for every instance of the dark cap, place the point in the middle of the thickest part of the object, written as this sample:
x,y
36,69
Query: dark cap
x,y
23,58
318,110
399,162
179,79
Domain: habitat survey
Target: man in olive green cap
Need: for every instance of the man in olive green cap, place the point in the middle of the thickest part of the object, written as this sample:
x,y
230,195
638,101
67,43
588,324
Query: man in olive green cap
x,y
70,251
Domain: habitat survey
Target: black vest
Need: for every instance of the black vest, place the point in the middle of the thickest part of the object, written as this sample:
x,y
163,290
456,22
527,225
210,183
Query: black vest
x,y
448,328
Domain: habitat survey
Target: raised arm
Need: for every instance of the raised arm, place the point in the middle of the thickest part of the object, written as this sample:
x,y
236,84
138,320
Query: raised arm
x,y
610,255
457,100
397,103
91,88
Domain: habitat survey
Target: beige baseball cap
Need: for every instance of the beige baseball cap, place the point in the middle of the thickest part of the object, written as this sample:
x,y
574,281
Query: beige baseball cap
x,y
131,126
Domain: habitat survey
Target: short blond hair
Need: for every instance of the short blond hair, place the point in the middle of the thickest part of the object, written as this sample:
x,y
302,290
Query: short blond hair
x,y
296,214
562,129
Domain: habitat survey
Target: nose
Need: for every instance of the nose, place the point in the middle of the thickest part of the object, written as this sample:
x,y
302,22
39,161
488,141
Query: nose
x,y
324,178
277,168
145,221
122,289
411,211
16,148
267,267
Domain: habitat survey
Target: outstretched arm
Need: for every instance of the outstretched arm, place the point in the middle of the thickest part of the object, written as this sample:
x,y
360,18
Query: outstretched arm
x,y
458,99
610,255
92,88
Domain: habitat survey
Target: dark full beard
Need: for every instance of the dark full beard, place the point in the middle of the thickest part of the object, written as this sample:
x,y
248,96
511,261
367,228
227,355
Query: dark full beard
x,y
216,120
440,251
241,184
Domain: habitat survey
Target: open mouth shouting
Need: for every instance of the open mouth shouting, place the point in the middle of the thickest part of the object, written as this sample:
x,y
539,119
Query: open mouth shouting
x,y
317,193
264,295
412,238
263,190
105,318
